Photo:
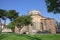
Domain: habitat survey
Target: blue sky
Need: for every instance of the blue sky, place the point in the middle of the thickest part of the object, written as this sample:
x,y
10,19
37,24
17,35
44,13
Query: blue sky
x,y
24,6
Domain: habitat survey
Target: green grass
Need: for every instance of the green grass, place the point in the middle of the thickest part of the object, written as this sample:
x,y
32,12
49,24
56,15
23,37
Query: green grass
x,y
30,37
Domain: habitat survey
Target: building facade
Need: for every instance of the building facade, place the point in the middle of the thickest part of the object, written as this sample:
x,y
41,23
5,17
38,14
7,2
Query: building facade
x,y
40,24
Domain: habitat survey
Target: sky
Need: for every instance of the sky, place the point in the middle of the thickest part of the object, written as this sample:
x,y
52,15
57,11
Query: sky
x,y
24,6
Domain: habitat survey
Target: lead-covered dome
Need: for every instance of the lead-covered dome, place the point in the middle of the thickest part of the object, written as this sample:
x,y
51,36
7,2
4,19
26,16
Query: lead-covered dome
x,y
34,12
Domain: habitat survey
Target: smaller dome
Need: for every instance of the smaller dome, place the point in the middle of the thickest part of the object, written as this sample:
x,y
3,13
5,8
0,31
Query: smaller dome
x,y
34,12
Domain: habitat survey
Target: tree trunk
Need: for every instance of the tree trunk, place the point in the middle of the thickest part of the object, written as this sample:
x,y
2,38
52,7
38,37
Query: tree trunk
x,y
13,30
28,29
4,23
0,26
0,20
20,30
0,23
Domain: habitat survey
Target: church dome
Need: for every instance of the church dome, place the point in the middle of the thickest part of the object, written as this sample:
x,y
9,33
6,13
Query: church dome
x,y
34,12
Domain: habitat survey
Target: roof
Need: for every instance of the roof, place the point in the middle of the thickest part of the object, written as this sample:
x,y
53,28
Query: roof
x,y
34,12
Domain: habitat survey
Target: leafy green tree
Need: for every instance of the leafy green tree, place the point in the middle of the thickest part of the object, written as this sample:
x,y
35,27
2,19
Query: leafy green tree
x,y
12,14
4,17
19,22
1,17
53,6
23,21
11,26
58,24
2,14
27,21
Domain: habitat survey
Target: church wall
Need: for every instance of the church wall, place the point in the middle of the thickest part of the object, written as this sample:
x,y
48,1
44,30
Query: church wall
x,y
48,24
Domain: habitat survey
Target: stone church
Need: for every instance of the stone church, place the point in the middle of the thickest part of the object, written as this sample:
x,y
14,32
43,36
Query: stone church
x,y
40,24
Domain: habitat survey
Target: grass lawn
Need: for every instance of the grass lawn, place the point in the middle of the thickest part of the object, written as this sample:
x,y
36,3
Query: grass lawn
x,y
30,37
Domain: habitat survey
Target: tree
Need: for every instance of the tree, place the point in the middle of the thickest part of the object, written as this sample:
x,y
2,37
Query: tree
x,y
19,22
1,14
4,17
11,26
12,14
53,6
58,27
1,17
58,24
27,21
22,21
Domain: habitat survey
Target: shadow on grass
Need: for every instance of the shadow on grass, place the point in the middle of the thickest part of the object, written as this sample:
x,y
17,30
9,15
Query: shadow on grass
x,y
30,37
3,36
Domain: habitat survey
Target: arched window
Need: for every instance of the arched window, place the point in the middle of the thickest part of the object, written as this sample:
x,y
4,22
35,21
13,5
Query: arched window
x,y
44,22
41,26
34,26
